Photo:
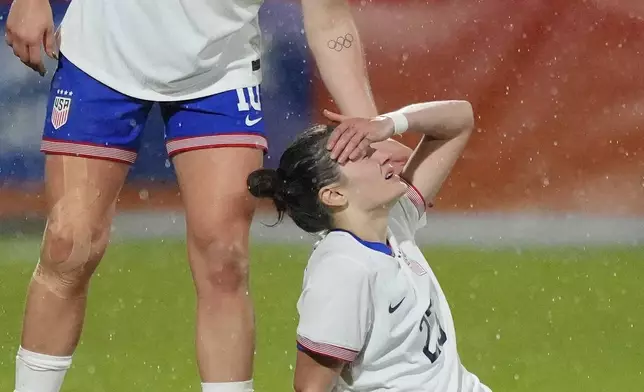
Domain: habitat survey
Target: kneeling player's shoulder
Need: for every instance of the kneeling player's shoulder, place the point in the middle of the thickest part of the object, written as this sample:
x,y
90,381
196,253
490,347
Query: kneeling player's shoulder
x,y
335,261
338,259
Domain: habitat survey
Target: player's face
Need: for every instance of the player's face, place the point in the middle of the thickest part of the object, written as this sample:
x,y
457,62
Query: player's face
x,y
371,182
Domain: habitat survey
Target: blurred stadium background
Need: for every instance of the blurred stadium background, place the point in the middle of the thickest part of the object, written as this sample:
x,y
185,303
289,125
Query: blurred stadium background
x,y
537,236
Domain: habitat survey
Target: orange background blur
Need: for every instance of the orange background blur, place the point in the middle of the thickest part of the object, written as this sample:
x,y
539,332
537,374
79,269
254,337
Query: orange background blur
x,y
555,85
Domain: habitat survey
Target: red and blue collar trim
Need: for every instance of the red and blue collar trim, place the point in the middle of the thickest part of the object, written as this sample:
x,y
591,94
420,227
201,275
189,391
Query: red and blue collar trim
x,y
377,246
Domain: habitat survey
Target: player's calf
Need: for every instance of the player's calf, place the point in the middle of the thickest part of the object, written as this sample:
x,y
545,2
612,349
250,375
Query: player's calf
x,y
72,248
225,325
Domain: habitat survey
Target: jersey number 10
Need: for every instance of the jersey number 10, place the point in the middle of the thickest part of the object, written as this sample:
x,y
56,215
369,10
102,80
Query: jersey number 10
x,y
253,101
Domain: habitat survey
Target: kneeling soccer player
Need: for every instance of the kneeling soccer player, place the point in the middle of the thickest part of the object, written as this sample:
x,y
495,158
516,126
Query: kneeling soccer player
x,y
372,314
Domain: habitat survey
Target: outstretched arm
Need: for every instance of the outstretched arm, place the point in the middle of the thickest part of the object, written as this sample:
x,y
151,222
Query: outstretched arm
x,y
334,40
337,49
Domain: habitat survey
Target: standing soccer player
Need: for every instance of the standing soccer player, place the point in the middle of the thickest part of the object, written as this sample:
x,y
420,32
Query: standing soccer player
x,y
200,59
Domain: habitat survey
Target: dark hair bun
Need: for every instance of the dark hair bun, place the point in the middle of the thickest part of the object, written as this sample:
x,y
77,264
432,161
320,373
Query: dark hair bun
x,y
263,183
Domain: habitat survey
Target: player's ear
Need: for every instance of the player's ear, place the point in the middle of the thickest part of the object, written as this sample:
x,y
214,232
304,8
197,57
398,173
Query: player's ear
x,y
332,196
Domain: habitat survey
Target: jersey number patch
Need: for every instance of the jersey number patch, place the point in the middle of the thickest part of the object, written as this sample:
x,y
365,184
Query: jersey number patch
x,y
253,101
436,337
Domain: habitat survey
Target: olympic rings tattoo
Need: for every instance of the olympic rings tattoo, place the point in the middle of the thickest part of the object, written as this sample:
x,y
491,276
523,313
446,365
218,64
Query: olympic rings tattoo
x,y
341,42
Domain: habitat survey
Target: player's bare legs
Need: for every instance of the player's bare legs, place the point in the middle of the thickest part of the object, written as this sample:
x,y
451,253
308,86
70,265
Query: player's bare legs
x,y
80,196
219,211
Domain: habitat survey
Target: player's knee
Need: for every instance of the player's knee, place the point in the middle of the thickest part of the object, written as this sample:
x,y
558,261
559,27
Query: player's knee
x,y
225,265
70,253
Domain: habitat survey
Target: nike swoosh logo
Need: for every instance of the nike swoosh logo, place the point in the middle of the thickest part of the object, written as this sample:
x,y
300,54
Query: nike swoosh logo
x,y
394,308
250,123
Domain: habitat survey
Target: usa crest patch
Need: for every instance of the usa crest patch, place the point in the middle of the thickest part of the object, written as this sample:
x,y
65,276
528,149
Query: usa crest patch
x,y
60,112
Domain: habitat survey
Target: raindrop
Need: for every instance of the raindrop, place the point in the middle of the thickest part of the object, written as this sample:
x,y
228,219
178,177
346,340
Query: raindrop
x,y
144,194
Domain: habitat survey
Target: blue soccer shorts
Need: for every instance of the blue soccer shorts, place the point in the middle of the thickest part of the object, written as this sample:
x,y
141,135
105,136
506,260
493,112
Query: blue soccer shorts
x,y
88,119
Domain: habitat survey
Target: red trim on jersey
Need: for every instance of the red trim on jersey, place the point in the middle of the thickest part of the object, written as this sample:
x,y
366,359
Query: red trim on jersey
x,y
247,140
329,350
416,198
176,139
208,146
48,139
69,154
87,150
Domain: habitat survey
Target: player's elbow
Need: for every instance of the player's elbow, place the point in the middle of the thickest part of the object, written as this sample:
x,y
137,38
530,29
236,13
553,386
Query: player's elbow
x,y
313,381
299,386
465,114
459,117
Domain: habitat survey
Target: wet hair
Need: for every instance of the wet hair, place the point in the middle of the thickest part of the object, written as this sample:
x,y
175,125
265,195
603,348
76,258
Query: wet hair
x,y
305,168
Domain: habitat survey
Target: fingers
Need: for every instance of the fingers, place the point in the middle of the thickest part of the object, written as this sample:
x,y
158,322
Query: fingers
x,y
361,150
28,54
8,38
349,140
27,47
50,43
35,59
351,147
343,140
334,116
21,51
336,134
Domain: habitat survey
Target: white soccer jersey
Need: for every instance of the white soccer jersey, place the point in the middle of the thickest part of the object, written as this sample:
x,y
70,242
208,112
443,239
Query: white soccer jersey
x,y
381,309
165,50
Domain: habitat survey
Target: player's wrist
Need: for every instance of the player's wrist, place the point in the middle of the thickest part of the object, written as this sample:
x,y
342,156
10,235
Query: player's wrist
x,y
399,120
388,124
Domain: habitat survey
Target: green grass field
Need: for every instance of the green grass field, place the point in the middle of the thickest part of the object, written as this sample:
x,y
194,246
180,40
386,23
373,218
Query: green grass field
x,y
531,320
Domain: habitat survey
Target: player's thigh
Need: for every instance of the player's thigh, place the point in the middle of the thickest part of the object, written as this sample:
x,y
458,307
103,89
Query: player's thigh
x,y
81,195
91,136
219,208
219,211
215,142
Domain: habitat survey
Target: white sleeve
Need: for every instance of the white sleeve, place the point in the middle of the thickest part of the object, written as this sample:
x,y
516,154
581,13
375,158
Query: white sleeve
x,y
335,308
471,383
409,212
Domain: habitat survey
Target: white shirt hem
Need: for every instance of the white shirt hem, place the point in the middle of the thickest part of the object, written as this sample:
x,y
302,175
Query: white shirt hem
x,y
234,79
